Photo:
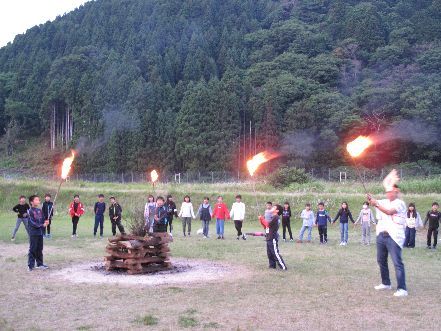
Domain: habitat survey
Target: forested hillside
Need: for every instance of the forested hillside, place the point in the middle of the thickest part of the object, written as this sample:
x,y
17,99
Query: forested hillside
x,y
175,84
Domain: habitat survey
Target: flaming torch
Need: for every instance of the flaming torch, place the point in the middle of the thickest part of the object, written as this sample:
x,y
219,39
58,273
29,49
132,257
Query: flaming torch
x,y
355,149
253,165
65,170
154,177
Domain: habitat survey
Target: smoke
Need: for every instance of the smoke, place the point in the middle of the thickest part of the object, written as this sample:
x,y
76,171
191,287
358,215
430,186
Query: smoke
x,y
299,143
114,119
414,131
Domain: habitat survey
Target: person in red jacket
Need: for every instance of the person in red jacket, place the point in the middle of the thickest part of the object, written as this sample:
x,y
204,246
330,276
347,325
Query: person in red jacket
x,y
221,213
76,209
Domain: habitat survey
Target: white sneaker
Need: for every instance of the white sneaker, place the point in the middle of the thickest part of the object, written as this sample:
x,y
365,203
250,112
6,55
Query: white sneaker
x,y
400,293
382,287
342,243
345,243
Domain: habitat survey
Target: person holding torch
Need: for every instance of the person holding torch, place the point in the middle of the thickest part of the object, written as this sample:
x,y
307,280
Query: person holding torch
x,y
391,234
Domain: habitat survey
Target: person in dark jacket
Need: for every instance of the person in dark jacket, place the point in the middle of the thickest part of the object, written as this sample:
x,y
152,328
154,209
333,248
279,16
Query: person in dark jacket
x,y
433,217
37,223
272,239
321,221
205,213
22,215
115,214
345,215
48,212
99,209
161,216
172,212
286,221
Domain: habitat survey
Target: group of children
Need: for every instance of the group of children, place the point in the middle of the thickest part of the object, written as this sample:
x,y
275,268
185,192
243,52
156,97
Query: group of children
x,y
159,216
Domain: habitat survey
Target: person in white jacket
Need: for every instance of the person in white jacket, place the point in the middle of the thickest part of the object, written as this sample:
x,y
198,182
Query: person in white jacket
x,y
238,215
307,217
186,213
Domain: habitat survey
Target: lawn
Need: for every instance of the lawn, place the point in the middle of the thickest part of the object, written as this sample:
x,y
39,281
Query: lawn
x,y
326,287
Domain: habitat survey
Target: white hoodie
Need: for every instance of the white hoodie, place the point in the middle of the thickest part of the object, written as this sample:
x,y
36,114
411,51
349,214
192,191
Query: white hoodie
x,y
187,210
237,211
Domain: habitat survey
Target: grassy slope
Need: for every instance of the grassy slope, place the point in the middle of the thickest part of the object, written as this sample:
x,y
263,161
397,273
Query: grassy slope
x,y
325,288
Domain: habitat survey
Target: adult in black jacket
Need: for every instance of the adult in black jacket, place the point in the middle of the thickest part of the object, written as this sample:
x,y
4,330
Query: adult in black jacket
x,y
115,214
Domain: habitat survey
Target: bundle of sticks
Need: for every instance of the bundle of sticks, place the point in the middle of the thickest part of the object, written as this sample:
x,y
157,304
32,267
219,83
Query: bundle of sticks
x,y
138,254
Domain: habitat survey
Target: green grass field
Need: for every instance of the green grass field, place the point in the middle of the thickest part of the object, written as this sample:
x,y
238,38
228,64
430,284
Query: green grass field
x,y
326,287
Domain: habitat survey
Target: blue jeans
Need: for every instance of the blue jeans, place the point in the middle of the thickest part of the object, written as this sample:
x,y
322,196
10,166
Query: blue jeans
x,y
302,231
99,221
410,237
220,227
344,232
17,226
386,245
205,227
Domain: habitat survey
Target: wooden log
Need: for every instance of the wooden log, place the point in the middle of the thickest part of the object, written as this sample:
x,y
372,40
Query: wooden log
x,y
115,264
152,259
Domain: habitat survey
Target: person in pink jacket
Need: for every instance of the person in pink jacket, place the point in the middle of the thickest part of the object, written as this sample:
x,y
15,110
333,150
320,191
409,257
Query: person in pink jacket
x,y
221,213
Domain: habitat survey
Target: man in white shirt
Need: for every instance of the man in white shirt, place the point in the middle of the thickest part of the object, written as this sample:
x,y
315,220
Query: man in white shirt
x,y
390,238
238,215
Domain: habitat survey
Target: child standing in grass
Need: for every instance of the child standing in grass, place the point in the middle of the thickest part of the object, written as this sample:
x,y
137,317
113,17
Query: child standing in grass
x,y
205,213
268,211
22,215
307,217
238,215
186,213
99,209
321,221
160,216
48,212
172,211
221,213
413,222
272,238
286,221
76,210
149,213
433,217
366,217
115,214
345,215
37,223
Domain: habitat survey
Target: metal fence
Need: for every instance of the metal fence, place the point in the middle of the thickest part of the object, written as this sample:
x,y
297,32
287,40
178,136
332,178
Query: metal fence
x,y
327,174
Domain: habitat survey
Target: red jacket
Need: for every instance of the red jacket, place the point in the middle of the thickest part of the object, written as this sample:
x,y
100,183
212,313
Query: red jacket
x,y
220,211
80,209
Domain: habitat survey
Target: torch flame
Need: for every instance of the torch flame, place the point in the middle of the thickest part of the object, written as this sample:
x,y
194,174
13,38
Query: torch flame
x,y
356,147
154,176
67,163
259,159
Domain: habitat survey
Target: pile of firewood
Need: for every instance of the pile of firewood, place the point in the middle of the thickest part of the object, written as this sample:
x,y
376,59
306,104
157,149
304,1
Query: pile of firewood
x,y
138,254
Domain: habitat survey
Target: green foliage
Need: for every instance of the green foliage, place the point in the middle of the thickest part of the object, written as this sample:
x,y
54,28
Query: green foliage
x,y
185,78
147,320
286,176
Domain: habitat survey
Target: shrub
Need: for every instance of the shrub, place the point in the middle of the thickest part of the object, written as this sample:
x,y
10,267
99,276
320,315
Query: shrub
x,y
136,223
286,176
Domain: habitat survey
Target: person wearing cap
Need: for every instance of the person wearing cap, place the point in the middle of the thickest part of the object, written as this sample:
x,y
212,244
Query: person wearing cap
x,y
390,236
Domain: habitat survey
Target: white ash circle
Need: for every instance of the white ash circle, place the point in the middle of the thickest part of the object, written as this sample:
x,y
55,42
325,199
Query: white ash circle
x,y
183,272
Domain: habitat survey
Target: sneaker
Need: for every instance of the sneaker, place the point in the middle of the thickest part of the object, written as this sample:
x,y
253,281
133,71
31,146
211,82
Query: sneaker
x,y
309,241
72,236
433,247
345,243
400,293
189,234
222,238
42,267
429,247
101,237
218,237
238,238
205,237
13,239
30,269
291,240
94,236
49,236
244,237
342,243
284,240
382,287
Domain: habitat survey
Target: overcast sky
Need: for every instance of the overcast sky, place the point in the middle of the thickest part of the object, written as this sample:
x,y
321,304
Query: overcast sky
x,y
16,16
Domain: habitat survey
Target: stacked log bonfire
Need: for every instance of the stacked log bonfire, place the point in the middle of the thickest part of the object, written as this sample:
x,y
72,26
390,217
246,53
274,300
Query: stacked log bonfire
x,y
137,254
